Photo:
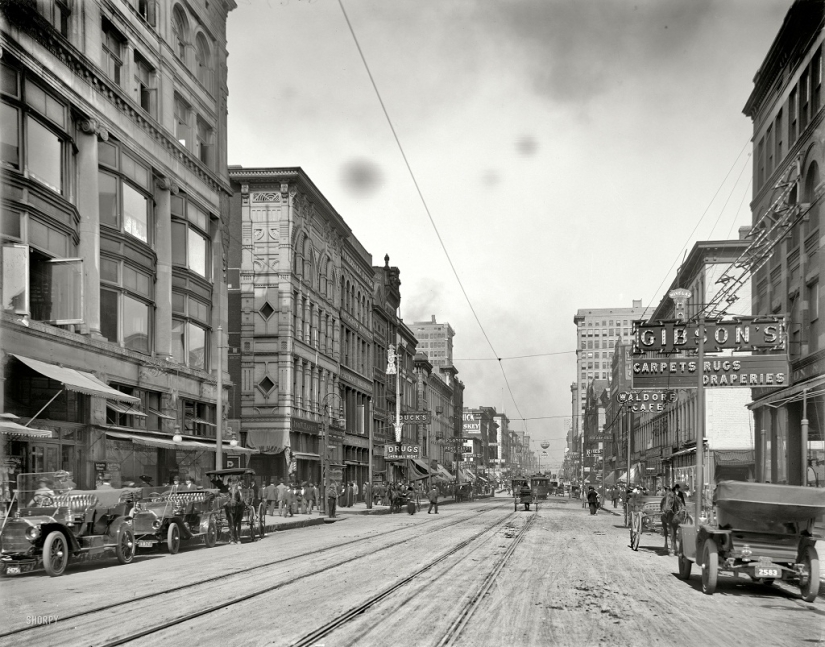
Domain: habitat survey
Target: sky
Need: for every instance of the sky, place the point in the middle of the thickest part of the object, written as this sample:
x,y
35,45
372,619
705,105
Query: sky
x,y
554,155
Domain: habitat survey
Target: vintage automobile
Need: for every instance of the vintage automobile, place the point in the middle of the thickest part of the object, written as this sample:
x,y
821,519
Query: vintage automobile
x,y
50,523
761,530
164,519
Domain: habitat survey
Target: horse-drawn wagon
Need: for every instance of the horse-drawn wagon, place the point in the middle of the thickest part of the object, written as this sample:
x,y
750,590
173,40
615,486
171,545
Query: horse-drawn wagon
x,y
522,493
762,530
237,505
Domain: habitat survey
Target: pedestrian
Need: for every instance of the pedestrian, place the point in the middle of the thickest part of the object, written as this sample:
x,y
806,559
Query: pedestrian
x,y
350,494
592,499
311,496
271,496
281,496
355,491
614,495
332,498
432,495
289,501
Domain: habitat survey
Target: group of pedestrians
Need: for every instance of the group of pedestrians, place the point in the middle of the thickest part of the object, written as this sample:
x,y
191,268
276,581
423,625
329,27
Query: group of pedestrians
x,y
288,500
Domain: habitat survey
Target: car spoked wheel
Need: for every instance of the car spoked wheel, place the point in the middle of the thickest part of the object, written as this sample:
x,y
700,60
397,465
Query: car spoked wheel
x,y
173,538
710,567
55,554
809,584
125,547
211,537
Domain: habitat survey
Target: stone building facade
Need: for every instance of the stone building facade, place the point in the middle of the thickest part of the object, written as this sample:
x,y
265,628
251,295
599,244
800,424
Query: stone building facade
x,y
115,206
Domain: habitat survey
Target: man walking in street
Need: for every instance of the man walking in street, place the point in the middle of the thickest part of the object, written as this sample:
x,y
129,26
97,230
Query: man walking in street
x,y
432,495
271,496
614,495
281,496
332,498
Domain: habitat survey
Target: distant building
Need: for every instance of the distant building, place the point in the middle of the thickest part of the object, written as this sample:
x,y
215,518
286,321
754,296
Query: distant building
x,y
435,340
786,109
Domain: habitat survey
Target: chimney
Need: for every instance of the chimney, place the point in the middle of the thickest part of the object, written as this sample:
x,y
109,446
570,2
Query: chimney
x,y
433,318
637,303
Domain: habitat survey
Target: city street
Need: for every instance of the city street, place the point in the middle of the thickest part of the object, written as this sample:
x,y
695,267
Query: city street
x,y
476,574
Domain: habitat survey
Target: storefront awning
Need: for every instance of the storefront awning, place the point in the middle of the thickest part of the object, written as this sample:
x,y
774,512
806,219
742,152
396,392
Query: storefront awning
x,y
422,464
443,471
13,429
122,408
306,456
168,443
79,381
267,441
734,457
814,387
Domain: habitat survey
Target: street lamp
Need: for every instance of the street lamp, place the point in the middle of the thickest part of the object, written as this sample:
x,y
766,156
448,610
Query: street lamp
x,y
176,437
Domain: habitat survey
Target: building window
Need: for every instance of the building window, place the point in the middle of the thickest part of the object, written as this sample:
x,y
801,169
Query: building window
x,y
112,43
203,142
126,304
57,12
813,317
203,62
147,10
804,93
778,138
180,32
124,192
145,415
196,418
190,240
792,116
816,82
47,289
769,149
760,161
182,129
145,82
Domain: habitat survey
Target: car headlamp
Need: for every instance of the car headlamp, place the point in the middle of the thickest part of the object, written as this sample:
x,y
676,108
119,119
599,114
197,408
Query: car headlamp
x,y
32,533
156,524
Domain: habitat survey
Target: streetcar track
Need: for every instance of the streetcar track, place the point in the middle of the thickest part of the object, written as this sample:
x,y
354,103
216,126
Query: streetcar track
x,y
313,553
312,638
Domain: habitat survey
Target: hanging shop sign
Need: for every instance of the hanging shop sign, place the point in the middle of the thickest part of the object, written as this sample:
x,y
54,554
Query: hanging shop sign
x,y
646,400
746,371
401,451
417,417
743,333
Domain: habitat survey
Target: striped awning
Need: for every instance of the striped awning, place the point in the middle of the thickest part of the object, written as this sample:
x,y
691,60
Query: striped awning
x,y
74,380
13,429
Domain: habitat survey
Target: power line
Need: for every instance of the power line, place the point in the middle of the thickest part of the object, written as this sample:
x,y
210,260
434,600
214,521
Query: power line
x,y
423,201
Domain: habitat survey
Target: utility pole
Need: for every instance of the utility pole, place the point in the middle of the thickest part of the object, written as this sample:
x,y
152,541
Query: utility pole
x,y
700,420
219,405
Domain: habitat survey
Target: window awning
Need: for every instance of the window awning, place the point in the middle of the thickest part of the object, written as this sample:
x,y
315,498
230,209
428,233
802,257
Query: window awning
x,y
157,413
734,457
13,429
444,472
306,456
122,408
815,387
267,441
79,381
200,421
185,445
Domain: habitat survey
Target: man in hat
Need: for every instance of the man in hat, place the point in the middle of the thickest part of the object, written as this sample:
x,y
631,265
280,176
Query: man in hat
x,y
271,496
281,496
592,499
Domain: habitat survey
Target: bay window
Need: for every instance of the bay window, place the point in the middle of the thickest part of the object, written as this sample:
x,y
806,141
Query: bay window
x,y
190,240
190,334
126,305
124,192
112,44
32,117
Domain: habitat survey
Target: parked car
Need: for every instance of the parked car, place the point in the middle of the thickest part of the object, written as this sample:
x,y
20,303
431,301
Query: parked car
x,y
165,519
50,524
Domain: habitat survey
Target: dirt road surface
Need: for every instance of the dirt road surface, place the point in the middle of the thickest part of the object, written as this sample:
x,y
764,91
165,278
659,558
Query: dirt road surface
x,y
477,574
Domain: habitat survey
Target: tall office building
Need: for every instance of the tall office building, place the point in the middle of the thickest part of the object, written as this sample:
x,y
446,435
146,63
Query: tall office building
x,y
435,340
597,331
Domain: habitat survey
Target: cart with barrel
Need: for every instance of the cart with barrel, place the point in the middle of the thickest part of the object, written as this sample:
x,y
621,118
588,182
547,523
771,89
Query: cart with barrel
x,y
762,531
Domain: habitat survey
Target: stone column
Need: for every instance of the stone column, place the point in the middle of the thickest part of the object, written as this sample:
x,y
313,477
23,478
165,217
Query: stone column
x,y
89,130
164,189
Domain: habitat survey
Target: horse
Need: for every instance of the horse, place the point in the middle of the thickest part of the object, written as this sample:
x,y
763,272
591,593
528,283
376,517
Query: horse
x,y
234,509
674,514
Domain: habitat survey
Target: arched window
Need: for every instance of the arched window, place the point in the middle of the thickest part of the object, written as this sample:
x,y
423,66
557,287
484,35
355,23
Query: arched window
x,y
811,182
298,264
203,62
329,280
307,260
180,32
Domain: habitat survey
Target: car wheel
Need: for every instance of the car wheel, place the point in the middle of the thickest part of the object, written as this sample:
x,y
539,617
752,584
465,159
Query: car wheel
x,y
211,537
710,567
685,565
173,538
810,587
55,553
125,549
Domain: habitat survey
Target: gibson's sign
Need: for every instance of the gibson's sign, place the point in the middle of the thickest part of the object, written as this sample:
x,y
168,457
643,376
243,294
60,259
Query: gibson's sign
x,y
743,333
747,371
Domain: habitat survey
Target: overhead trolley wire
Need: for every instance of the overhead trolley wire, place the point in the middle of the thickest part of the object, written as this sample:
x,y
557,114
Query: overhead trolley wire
x,y
423,201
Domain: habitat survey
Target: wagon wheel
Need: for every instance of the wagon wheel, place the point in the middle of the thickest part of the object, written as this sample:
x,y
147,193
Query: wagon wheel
x,y
710,567
515,505
211,536
125,549
250,515
55,553
810,587
635,530
173,538
262,519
